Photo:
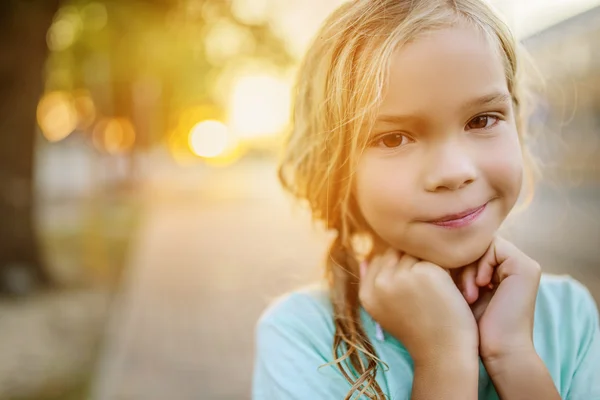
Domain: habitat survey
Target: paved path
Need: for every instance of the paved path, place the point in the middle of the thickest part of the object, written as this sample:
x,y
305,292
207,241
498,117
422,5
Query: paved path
x,y
217,247
206,264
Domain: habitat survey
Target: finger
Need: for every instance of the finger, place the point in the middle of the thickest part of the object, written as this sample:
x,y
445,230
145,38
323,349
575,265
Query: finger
x,y
513,262
373,269
469,289
457,275
503,259
509,267
486,266
485,274
389,265
407,261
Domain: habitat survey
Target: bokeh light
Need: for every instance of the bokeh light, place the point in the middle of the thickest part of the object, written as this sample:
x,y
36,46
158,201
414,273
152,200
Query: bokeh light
x,y
84,109
232,153
250,12
63,32
94,16
297,21
114,135
260,105
224,40
56,115
61,35
209,138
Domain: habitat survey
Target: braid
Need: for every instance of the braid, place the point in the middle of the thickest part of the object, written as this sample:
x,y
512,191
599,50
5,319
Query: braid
x,y
353,353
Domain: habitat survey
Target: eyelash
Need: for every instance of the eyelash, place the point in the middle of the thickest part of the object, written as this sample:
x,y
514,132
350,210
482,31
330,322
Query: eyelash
x,y
496,117
378,140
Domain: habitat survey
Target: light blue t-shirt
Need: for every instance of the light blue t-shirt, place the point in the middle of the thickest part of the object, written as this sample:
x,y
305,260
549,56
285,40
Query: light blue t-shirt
x,y
294,338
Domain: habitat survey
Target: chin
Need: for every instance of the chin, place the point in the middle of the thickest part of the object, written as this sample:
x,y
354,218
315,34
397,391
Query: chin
x,y
447,254
456,260
457,256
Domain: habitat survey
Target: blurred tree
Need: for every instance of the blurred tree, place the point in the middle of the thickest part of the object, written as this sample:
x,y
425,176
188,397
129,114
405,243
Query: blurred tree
x,y
23,27
149,59
139,61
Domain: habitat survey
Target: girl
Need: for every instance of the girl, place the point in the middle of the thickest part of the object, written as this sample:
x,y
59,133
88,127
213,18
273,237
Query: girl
x,y
408,135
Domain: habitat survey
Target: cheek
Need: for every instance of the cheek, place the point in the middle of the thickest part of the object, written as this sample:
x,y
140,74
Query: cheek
x,y
503,167
382,191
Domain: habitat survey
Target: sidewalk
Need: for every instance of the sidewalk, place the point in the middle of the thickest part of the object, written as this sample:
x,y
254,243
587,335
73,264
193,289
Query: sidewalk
x,y
205,266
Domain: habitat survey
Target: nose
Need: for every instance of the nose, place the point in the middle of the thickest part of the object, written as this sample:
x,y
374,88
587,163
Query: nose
x,y
450,167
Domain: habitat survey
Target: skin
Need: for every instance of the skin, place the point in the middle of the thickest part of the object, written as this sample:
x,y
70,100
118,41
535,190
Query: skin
x,y
437,150
418,303
448,153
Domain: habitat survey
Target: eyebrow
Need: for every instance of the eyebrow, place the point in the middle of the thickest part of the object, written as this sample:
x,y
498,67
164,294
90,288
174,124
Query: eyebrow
x,y
495,98
489,99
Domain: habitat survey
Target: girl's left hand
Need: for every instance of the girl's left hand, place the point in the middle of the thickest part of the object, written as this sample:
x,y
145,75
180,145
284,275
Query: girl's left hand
x,y
506,325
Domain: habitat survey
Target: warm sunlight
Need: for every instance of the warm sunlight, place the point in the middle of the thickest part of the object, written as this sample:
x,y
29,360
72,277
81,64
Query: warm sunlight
x,y
259,106
209,138
56,115
175,181
114,135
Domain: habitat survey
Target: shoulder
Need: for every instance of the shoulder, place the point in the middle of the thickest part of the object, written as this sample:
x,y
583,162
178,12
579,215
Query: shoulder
x,y
294,338
567,336
562,293
294,356
565,317
307,310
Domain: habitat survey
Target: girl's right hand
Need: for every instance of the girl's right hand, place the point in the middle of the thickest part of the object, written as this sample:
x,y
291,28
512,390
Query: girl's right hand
x,y
419,304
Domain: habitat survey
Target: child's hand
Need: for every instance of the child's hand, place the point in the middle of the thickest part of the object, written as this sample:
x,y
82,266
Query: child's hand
x,y
419,304
506,325
477,297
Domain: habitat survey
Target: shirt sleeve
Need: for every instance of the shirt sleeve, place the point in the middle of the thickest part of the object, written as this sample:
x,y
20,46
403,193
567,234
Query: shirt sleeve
x,y
586,379
293,342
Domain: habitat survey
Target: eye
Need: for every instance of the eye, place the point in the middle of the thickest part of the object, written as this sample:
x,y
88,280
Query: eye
x,y
483,122
392,140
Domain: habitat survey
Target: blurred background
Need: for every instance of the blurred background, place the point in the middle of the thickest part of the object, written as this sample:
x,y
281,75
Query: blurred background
x,y
142,228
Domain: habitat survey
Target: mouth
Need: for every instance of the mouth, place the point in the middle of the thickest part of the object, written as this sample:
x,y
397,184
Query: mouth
x,y
461,219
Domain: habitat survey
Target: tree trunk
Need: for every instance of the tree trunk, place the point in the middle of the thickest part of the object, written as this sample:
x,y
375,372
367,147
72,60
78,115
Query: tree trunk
x,y
23,28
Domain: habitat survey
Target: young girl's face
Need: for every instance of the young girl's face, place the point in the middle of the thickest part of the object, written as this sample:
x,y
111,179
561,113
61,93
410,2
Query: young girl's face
x,y
444,145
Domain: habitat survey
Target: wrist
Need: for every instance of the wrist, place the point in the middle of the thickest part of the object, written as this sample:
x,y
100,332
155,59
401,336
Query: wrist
x,y
521,376
500,364
506,351
455,358
447,376
440,348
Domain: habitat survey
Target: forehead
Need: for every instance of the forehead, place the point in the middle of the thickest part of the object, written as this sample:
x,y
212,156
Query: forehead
x,y
445,68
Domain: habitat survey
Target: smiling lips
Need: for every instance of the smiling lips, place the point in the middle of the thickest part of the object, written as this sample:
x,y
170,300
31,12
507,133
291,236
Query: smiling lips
x,y
459,220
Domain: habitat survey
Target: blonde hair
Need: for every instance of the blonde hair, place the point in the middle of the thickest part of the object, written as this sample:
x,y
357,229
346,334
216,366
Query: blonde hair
x,y
339,88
